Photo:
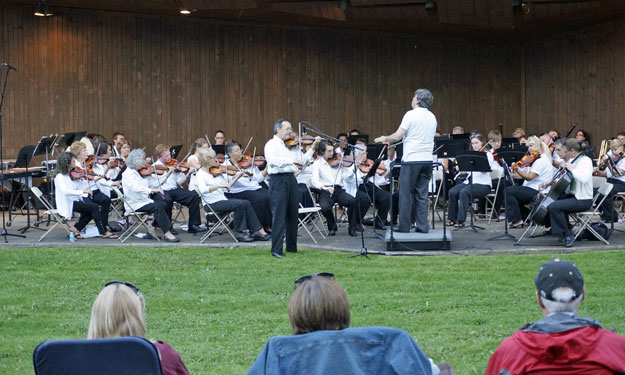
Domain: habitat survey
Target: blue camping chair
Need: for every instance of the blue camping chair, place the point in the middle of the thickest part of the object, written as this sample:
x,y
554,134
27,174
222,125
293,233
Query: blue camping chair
x,y
120,356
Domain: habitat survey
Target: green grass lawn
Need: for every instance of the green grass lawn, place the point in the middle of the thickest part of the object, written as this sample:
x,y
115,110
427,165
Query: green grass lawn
x,y
218,307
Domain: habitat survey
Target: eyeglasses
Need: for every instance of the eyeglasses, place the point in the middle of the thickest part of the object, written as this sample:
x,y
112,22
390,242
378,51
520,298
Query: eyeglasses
x,y
301,279
130,285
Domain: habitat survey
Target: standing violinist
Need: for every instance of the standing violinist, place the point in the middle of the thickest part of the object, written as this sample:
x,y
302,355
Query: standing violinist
x,y
69,198
282,163
248,187
170,182
578,195
612,167
417,130
329,179
460,195
137,193
382,197
79,149
538,173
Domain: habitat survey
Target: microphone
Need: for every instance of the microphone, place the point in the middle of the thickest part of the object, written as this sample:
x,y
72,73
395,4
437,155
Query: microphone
x,y
8,66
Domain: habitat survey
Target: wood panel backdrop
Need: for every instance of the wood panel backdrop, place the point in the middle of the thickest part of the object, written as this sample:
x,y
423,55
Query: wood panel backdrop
x,y
163,79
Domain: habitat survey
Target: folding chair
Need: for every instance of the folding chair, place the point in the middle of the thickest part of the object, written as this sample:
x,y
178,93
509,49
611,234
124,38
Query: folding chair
x,y
51,211
584,219
223,219
140,219
117,208
122,355
309,213
318,213
434,191
491,197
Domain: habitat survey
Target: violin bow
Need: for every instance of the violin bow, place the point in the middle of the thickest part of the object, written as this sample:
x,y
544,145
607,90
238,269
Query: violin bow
x,y
207,140
251,167
248,145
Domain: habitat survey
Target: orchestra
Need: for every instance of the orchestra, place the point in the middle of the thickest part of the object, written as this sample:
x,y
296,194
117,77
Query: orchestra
x,y
332,173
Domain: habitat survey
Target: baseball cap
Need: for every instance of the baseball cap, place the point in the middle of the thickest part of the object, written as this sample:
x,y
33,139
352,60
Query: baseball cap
x,y
558,273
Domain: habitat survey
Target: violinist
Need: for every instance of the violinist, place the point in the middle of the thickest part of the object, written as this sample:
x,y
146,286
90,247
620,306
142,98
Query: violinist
x,y
341,147
248,187
170,182
494,144
540,172
69,198
578,196
220,137
304,174
119,163
101,167
85,183
212,188
612,167
118,139
137,193
460,195
382,197
194,161
330,181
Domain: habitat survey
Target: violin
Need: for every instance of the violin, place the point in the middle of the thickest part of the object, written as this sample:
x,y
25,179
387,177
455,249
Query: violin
x,y
526,160
77,173
89,161
381,169
292,141
365,166
217,170
348,161
221,158
245,162
178,167
335,160
117,162
146,170
102,159
259,161
308,140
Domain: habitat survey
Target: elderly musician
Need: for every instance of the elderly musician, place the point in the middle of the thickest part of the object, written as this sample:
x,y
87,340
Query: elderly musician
x,y
282,163
417,130
539,172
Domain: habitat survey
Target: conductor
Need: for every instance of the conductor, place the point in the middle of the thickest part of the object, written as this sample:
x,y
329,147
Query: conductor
x,y
417,130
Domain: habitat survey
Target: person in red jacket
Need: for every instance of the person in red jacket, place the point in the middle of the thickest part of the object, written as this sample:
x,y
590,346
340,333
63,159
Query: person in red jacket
x,y
562,342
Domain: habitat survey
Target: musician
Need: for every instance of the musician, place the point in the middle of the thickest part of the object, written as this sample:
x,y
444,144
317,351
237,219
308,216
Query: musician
x,y
124,151
578,195
540,172
417,130
220,137
341,147
105,183
382,197
248,187
457,130
613,167
212,189
282,163
621,136
171,183
460,195
494,144
303,175
330,181
555,155
80,151
137,192
69,198
194,161
118,139
518,133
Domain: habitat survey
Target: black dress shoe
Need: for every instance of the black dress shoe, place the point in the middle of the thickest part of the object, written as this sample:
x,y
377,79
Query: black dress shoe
x,y
332,232
292,251
244,238
277,255
196,229
173,231
175,239
261,237
397,229
568,240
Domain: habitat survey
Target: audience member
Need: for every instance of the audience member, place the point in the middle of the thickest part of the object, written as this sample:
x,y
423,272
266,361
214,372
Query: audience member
x,y
562,342
118,311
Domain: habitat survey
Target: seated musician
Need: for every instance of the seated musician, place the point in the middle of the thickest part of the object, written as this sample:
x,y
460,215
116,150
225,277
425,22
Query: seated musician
x,y
578,196
330,181
539,172
194,161
80,152
102,167
460,195
69,198
248,187
369,188
120,165
212,189
494,144
613,167
170,182
137,192
304,174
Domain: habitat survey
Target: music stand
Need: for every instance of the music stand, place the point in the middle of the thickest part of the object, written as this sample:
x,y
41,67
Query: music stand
x,y
372,173
507,142
175,151
461,136
473,161
353,138
68,138
219,149
374,149
23,160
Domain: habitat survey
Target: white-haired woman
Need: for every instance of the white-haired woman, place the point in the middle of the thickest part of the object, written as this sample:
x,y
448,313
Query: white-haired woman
x,y
137,194
118,311
540,172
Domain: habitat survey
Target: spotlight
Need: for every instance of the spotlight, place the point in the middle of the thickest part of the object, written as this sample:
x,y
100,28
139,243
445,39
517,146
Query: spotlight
x,y
43,10
185,11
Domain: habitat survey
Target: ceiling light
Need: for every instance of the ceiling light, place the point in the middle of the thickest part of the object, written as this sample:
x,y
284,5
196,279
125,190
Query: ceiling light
x,y
43,10
185,11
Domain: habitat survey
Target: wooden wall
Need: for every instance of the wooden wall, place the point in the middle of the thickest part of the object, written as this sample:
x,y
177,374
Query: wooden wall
x,y
578,77
173,79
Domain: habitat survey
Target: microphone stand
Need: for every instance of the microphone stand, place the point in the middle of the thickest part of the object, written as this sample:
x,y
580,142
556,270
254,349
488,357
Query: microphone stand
x,y
4,232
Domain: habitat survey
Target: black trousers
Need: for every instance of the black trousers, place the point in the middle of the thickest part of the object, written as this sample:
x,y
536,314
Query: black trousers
x,y
608,213
105,206
88,210
304,196
159,210
244,216
260,202
516,199
186,198
284,201
559,210
460,199
382,200
327,201
413,186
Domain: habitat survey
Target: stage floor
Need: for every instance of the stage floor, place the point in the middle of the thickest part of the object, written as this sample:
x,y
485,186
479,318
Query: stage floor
x,y
464,242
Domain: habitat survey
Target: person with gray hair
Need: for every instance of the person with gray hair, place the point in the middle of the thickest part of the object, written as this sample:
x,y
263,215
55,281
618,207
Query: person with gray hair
x,y
137,194
417,130
562,342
